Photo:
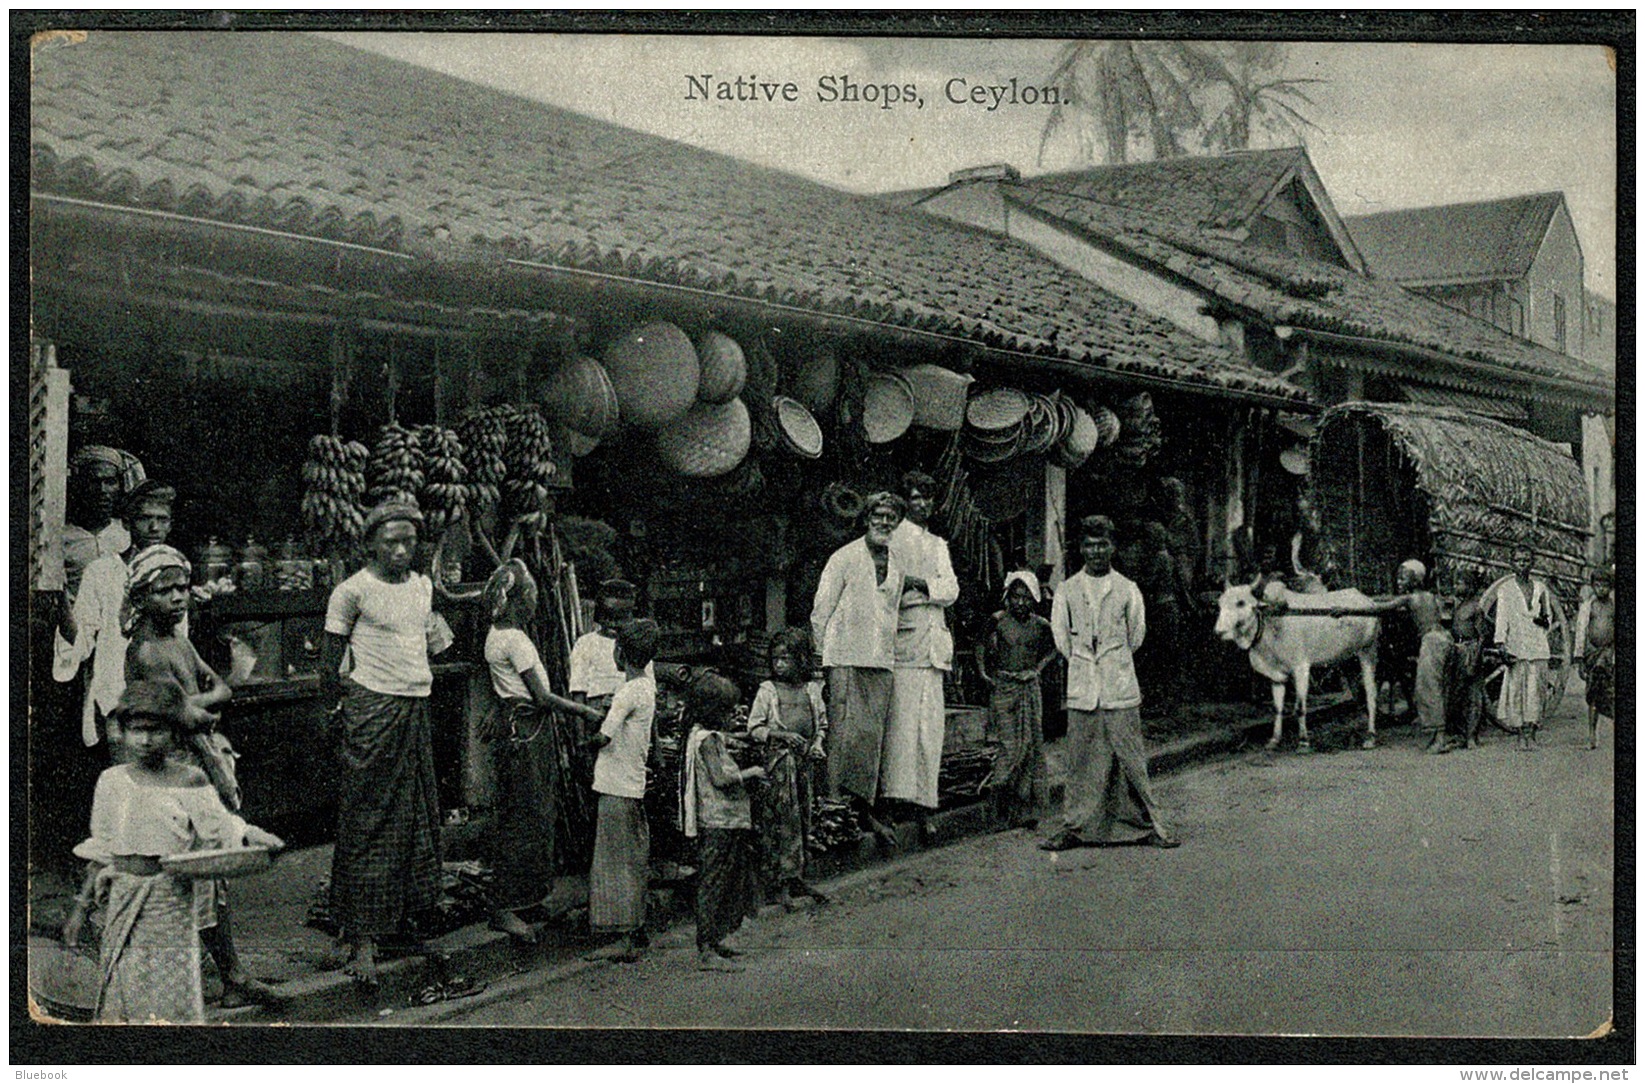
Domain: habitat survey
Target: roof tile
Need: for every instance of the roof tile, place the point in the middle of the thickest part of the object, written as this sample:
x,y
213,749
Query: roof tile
x,y
389,152
1303,292
1456,242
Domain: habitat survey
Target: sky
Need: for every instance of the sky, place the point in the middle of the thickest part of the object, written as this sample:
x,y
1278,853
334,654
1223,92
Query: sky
x,y
1398,125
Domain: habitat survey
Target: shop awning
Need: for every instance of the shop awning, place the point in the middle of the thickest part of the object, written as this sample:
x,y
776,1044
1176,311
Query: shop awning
x,y
1474,404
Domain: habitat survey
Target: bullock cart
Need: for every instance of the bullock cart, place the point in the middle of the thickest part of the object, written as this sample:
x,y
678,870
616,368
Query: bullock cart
x,y
1456,490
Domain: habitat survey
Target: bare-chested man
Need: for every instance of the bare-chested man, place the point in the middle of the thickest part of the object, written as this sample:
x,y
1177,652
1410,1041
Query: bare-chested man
x,y
1471,629
1598,646
1433,657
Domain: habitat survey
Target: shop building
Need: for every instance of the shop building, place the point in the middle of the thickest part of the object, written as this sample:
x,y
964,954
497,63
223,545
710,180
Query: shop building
x,y
244,241
1247,251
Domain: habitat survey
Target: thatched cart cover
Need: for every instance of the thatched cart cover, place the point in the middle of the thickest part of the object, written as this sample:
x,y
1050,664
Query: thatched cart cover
x,y
1399,480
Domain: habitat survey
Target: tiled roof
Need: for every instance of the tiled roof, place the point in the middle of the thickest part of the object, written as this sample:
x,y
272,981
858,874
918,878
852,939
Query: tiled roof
x,y
1458,242
318,138
1306,293
1216,193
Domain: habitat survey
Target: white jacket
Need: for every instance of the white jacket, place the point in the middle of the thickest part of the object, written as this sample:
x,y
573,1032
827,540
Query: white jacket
x,y
854,617
1097,624
923,639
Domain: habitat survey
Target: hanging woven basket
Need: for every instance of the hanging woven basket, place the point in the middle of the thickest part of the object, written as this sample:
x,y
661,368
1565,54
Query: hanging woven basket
x,y
799,430
655,372
710,440
724,369
887,409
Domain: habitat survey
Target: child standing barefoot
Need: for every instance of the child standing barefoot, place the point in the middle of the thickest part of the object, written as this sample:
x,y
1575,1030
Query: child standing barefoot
x,y
160,650
622,839
788,716
1016,652
143,811
716,813
525,749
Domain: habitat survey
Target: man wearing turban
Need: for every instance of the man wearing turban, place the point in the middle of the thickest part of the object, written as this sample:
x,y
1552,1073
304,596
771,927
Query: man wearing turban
x,y
93,627
99,479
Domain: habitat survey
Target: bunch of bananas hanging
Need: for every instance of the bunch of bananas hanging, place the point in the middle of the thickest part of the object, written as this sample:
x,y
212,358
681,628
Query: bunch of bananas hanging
x,y
483,435
444,496
529,458
395,470
334,481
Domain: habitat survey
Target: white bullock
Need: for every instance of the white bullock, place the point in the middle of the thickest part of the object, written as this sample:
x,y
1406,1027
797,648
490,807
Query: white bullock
x,y
1284,640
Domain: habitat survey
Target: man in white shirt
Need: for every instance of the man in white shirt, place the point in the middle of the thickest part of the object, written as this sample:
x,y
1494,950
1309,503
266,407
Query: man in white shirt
x,y
91,628
1523,614
854,625
1098,623
924,651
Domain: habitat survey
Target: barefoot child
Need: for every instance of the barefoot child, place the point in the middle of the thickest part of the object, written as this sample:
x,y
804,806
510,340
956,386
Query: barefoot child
x,y
525,748
160,650
622,839
143,811
788,717
1596,640
1015,654
717,814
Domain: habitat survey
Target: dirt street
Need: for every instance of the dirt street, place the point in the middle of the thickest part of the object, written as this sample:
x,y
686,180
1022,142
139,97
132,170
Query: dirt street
x,y
1348,892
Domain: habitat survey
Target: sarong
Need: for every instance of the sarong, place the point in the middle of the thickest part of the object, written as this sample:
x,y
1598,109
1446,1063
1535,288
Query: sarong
x,y
1108,799
725,883
1465,703
1018,776
1601,694
150,951
782,816
521,841
386,865
573,764
913,736
1520,702
616,881
859,707
1433,663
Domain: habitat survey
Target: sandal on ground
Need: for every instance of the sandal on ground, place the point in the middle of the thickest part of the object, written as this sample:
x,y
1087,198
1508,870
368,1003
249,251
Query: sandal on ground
x,y
512,924
461,986
708,960
250,991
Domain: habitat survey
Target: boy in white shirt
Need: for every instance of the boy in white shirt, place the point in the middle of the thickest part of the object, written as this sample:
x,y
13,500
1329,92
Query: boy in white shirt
x,y
622,838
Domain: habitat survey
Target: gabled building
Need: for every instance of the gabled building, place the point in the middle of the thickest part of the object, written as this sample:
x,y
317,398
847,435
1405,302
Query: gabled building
x,y
1194,241
1514,262
1518,264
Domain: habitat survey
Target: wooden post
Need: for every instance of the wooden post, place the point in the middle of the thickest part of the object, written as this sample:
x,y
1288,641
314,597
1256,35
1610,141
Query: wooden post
x,y
440,390
49,464
1048,523
341,360
391,381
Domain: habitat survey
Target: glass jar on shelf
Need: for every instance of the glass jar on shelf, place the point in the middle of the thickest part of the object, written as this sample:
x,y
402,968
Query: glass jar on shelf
x,y
252,571
213,561
293,572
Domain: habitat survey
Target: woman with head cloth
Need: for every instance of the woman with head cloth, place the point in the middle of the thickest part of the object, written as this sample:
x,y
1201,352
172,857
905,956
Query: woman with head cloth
x,y
386,867
527,748
924,651
854,623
